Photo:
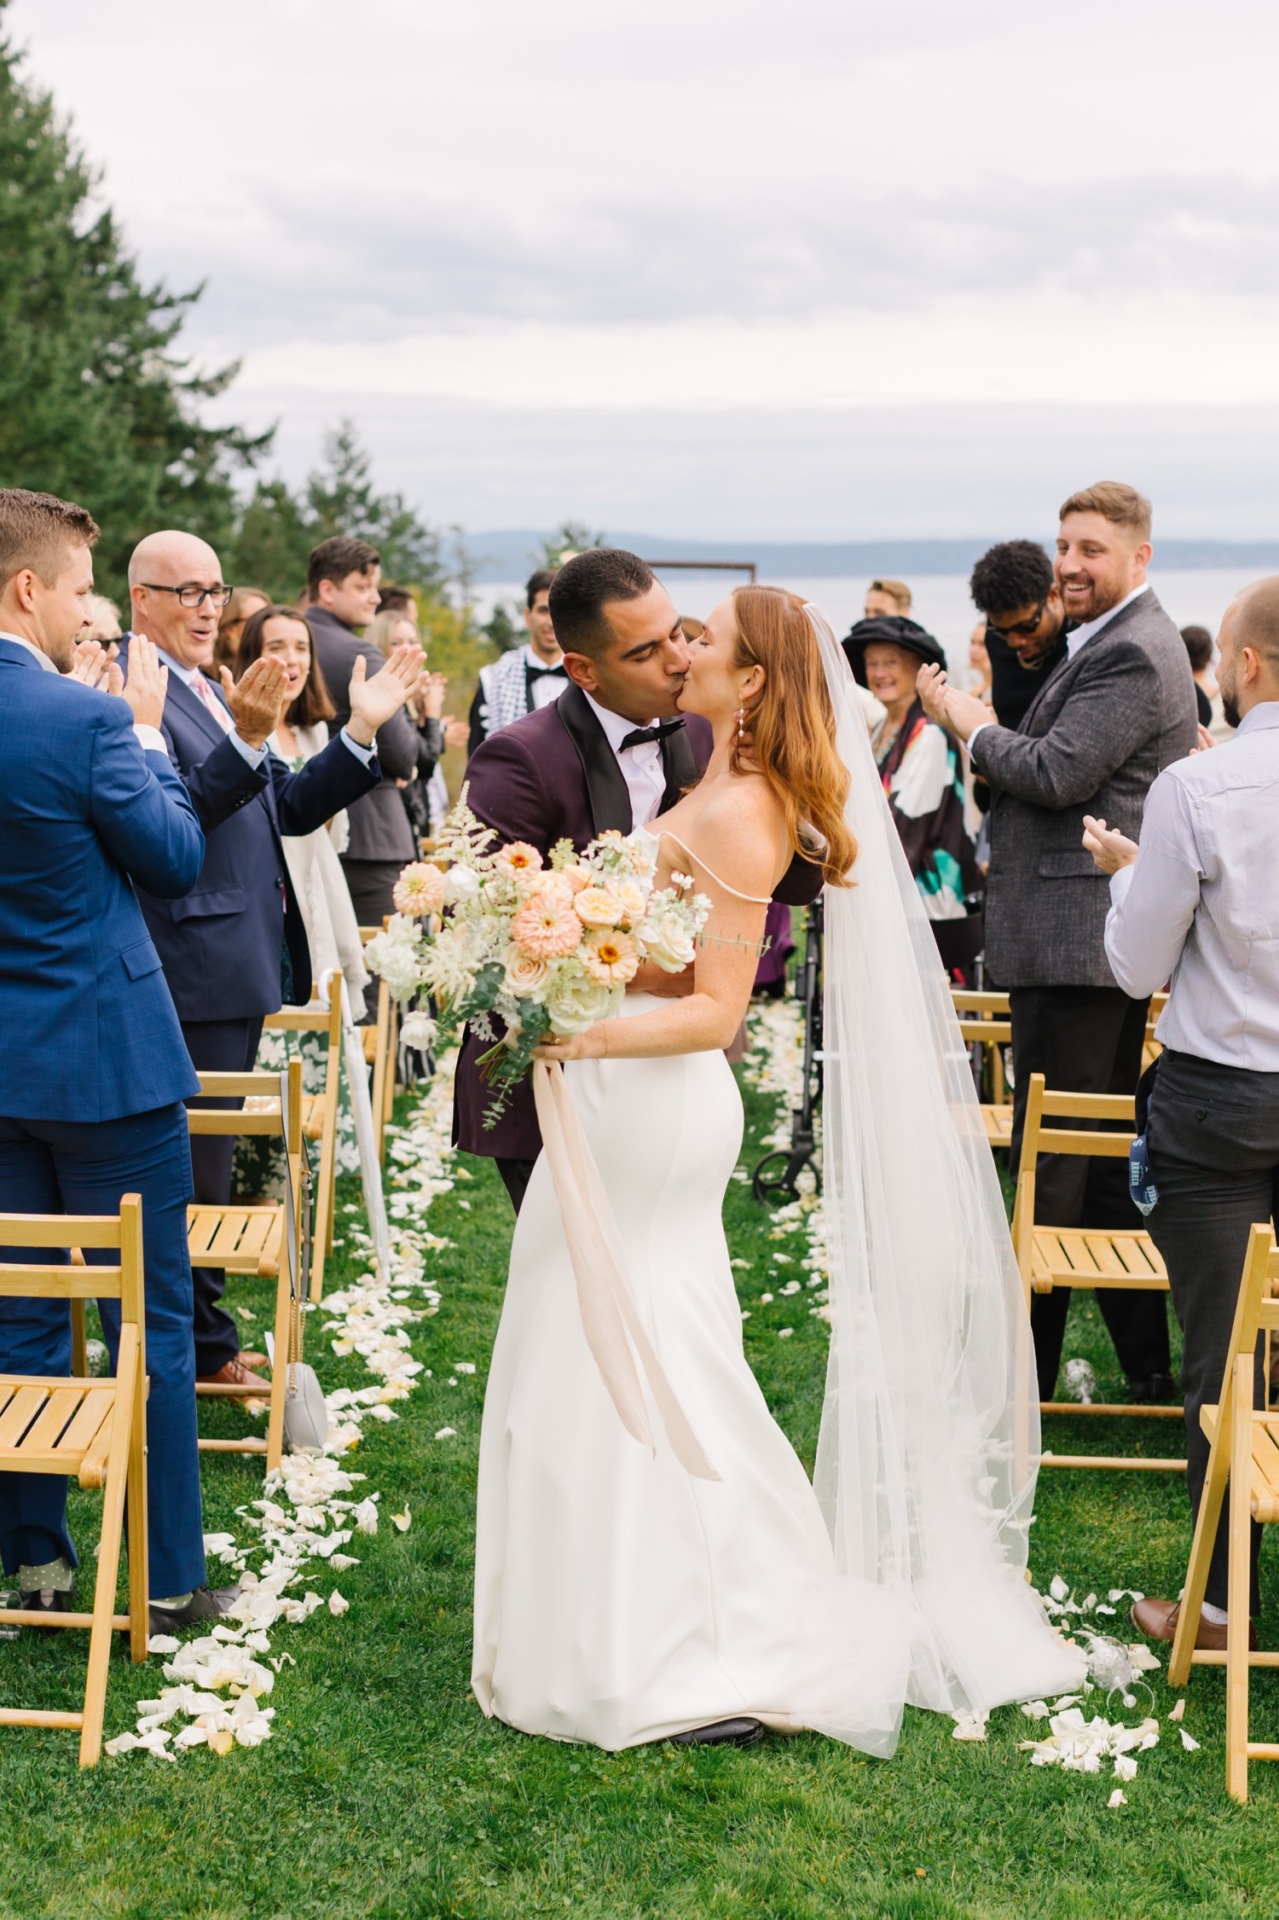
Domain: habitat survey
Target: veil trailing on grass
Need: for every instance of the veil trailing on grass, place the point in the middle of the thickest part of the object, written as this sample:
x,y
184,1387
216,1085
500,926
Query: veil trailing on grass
x,y
929,1442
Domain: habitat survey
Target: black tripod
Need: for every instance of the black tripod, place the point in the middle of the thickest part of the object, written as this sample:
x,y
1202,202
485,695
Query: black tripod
x,y
779,1172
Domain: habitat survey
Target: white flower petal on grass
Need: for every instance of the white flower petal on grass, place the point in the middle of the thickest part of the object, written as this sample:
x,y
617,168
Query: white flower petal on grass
x,y
1125,1767
1118,1798
1035,1709
1188,1741
337,1605
1058,1589
163,1643
402,1521
446,1433
1179,1709
970,1726
365,1516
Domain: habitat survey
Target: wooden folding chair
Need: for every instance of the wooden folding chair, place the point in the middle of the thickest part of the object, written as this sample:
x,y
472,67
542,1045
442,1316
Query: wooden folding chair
x,y
986,1021
320,1115
1084,1258
92,1429
1152,1048
262,1238
1245,1457
380,1042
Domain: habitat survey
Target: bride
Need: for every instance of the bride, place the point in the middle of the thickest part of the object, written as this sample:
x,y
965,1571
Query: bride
x,y
702,1588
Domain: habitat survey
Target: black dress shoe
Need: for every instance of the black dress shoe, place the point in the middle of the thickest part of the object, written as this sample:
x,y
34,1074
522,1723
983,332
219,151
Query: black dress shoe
x,y
206,1603
57,1602
721,1733
1155,1390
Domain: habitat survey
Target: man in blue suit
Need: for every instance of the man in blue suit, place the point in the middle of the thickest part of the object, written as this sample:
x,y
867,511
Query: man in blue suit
x,y
93,1070
233,946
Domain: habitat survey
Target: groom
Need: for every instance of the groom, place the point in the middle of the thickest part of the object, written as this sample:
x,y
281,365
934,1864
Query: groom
x,y
611,752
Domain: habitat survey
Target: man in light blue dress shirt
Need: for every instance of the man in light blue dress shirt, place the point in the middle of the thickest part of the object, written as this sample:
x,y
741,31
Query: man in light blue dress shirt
x,y
1198,904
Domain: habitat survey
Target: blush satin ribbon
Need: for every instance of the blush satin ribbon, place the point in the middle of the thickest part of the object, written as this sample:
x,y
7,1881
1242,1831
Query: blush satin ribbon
x,y
614,1331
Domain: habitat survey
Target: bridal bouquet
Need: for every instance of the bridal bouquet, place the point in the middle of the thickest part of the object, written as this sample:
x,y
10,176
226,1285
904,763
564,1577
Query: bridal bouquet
x,y
498,933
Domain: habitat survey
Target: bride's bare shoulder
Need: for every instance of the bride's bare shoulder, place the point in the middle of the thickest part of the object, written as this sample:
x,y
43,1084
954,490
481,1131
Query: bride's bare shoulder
x,y
739,834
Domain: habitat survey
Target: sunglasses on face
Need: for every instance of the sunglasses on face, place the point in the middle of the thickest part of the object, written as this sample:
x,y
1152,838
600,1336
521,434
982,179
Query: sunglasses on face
x,y
1020,629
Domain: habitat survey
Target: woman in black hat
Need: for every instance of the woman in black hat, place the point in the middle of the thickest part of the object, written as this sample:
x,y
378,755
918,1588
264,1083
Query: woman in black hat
x,y
918,762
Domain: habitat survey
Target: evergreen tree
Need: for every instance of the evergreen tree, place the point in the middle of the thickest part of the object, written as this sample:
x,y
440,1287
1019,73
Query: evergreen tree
x,y
96,402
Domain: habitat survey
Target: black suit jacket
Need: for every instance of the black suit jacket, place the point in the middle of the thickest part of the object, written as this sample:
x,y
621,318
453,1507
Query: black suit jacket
x,y
221,943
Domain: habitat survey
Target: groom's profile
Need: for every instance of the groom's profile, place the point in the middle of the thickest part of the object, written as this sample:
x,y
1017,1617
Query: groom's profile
x,y
611,753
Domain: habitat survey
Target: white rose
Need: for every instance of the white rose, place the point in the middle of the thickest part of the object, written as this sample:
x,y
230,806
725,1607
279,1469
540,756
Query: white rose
x,y
525,976
460,885
666,941
577,1003
417,1030
632,898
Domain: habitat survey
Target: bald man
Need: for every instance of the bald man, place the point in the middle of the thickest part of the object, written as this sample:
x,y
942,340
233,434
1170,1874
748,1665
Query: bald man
x,y
234,948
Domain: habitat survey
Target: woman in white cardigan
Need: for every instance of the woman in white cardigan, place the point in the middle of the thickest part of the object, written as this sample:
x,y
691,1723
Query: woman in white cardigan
x,y
315,871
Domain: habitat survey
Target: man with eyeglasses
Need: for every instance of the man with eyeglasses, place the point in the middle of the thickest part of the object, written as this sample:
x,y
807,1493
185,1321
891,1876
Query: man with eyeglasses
x,y
234,948
1026,624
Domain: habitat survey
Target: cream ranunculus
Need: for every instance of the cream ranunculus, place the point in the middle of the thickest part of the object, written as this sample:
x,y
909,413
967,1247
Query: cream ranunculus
x,y
598,907
578,1002
666,940
525,974
632,898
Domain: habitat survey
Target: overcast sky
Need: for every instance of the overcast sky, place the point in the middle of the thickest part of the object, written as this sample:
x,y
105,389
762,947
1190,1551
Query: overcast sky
x,y
720,268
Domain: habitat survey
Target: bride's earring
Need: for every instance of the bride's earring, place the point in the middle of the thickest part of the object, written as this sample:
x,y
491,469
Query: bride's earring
x,y
741,725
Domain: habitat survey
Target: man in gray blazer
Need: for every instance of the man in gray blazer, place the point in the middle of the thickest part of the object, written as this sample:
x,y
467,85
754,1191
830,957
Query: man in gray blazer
x,y
342,578
1118,709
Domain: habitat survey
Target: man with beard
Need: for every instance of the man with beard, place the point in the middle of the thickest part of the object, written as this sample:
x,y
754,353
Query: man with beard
x,y
1118,710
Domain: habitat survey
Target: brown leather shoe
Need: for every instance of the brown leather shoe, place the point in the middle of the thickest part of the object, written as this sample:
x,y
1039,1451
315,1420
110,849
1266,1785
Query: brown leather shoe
x,y
1157,1619
234,1374
251,1359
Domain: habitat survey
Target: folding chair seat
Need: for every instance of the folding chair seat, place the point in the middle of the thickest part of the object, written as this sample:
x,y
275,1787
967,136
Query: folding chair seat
x,y
92,1430
1244,1464
985,1021
1084,1258
320,1115
262,1238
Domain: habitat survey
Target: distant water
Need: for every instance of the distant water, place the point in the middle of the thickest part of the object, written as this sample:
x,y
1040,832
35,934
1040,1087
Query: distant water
x,y
941,602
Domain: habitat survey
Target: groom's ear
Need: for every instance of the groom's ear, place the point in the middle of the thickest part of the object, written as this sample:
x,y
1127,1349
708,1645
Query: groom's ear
x,y
580,669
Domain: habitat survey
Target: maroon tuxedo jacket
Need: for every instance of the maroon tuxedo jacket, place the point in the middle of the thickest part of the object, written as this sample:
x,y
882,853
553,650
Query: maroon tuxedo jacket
x,y
548,777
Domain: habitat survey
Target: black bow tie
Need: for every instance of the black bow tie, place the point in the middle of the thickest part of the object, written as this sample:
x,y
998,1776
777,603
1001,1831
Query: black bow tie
x,y
541,673
642,735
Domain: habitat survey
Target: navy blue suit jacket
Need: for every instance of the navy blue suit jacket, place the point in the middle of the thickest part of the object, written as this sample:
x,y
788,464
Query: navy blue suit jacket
x,y
88,1023
221,942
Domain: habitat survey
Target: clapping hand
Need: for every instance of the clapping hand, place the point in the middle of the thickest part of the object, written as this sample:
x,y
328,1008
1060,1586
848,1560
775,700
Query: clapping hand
x,y
373,702
147,684
960,713
256,698
1109,848
94,667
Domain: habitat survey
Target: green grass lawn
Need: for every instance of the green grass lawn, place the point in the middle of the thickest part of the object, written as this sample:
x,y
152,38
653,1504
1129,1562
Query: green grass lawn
x,y
385,1792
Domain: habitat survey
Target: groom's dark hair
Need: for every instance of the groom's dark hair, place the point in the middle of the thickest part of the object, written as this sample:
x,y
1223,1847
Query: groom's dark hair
x,y
583,588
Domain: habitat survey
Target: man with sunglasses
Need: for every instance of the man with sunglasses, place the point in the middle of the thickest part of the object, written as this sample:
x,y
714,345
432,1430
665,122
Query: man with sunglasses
x,y
1026,624
234,947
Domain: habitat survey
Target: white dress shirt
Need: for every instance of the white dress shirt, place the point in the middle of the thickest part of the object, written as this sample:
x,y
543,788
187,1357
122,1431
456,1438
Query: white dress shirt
x,y
1201,904
1091,628
254,755
641,767
149,738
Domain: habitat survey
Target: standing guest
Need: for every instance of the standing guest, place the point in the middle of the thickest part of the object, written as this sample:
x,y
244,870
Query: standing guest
x,y
315,872
1026,626
244,602
390,628
93,1071
104,623
918,762
343,582
1199,650
234,946
979,662
1099,730
1198,903
393,599
527,677
886,598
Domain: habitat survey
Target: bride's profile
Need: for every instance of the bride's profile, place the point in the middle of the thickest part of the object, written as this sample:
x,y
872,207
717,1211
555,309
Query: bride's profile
x,y
702,1587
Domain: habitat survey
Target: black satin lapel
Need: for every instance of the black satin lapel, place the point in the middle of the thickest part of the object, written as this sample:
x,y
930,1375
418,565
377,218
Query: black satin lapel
x,y
680,765
609,796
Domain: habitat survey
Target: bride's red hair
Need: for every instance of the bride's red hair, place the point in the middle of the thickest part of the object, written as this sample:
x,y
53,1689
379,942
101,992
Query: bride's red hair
x,y
789,729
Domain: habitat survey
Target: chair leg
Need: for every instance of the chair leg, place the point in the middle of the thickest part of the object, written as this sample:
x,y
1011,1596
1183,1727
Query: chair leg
x,y
322,1230
285,1354
79,1341
1238,1594
95,1692
1206,1522
139,1534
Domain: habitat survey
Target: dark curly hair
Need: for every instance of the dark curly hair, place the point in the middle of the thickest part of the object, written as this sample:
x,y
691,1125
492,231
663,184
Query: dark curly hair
x,y
1015,574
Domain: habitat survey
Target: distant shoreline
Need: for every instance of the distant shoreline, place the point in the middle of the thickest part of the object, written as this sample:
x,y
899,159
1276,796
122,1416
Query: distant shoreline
x,y
510,552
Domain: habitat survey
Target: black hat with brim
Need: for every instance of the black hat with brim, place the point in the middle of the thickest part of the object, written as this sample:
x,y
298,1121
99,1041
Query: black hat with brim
x,y
890,630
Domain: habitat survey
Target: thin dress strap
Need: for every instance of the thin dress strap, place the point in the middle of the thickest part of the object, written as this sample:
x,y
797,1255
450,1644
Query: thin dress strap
x,y
683,846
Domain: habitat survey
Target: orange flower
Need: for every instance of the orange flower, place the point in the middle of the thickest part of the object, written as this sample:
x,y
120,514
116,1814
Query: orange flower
x,y
419,889
519,857
610,957
545,927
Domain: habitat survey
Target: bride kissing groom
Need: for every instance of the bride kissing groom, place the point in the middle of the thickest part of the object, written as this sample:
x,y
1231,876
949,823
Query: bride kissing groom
x,y
702,1588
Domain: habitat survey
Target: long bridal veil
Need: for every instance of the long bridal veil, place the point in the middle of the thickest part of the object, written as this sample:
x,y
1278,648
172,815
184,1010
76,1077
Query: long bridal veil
x,y
929,1442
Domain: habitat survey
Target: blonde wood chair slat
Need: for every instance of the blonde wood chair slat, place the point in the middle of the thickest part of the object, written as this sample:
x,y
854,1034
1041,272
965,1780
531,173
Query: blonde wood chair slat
x,y
94,1431
1242,1476
1083,1259
321,1113
252,1238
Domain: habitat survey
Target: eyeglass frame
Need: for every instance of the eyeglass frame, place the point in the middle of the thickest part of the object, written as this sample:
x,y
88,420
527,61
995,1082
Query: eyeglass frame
x,y
1021,629
219,596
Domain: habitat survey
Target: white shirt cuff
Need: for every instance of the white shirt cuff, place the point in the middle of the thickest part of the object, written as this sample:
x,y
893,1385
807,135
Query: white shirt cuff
x,y
150,739
979,728
1120,881
254,755
365,755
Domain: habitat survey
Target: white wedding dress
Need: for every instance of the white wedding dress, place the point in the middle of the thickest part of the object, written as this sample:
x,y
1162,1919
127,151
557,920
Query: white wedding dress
x,y
621,1597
